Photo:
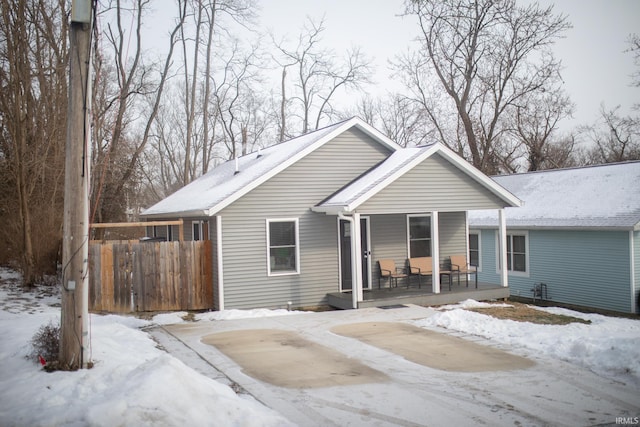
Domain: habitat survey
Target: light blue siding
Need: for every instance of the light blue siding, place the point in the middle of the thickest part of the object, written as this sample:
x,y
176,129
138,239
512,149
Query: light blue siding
x,y
567,262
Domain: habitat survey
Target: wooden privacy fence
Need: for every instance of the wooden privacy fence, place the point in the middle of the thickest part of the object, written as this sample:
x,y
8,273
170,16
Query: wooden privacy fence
x,y
135,276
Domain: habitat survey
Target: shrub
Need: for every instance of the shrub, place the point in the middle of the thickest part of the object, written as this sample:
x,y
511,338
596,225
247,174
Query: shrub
x,y
46,343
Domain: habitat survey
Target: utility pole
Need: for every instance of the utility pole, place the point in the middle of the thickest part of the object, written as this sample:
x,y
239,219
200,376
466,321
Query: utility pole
x,y
75,245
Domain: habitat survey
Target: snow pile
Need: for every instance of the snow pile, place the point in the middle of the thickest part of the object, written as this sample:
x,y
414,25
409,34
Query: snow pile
x,y
608,346
132,382
233,314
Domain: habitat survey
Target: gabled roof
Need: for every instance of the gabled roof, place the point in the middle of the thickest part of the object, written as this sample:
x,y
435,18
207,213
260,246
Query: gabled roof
x,y
379,177
222,186
604,196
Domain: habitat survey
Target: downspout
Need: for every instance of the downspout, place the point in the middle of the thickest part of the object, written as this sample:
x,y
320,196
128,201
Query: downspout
x,y
354,284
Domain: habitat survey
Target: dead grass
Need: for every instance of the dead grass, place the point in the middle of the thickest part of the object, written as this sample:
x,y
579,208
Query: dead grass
x,y
523,313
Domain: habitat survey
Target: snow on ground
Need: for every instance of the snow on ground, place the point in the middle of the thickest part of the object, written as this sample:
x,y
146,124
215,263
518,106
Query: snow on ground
x,y
608,346
135,383
132,383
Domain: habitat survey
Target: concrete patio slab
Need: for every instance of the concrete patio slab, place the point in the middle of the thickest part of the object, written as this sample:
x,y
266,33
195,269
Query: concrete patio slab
x,y
433,349
285,359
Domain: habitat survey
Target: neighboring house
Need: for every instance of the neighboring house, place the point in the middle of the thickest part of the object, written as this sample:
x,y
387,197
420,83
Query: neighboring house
x,y
578,232
287,221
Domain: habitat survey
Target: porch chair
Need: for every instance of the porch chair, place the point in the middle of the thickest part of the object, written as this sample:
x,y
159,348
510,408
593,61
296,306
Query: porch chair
x,y
460,266
420,266
388,270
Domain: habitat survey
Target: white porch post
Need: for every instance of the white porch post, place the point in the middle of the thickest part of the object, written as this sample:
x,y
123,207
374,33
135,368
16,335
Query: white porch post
x,y
219,253
435,251
502,248
357,257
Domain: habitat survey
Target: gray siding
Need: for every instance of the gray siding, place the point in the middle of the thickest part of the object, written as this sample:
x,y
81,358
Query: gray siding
x,y
453,234
586,268
291,194
434,185
388,241
636,253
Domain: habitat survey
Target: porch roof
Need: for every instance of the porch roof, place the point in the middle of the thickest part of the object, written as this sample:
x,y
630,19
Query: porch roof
x,y
362,189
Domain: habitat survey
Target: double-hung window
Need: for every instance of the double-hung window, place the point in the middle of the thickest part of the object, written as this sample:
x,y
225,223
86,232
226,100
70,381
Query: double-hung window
x,y
517,253
419,228
283,248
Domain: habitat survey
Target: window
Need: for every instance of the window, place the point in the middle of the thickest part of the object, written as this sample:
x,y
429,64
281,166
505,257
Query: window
x,y
197,226
474,249
419,236
516,253
283,247
200,230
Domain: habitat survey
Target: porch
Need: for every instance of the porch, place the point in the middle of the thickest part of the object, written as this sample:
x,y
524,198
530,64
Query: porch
x,y
424,296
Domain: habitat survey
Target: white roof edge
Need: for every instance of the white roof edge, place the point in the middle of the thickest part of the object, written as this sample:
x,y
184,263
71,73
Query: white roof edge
x,y
553,227
354,121
467,167
391,178
198,213
375,133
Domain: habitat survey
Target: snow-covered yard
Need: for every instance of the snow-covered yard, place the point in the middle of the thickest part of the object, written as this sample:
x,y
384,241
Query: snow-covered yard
x,y
135,383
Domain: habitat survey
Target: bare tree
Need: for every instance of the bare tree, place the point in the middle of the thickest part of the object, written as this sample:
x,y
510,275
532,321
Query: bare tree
x,y
485,56
241,109
398,117
319,76
33,80
117,147
634,49
616,137
535,126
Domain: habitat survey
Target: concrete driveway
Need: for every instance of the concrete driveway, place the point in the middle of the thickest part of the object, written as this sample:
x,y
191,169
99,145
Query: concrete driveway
x,y
372,367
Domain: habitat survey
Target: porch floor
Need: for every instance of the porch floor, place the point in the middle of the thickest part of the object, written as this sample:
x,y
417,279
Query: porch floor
x,y
424,296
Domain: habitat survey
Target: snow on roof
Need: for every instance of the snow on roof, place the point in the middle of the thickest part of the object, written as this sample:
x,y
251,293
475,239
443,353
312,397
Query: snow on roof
x,y
604,196
222,185
364,187
375,176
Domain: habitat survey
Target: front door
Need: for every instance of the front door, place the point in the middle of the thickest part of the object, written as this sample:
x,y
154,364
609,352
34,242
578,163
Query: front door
x,y
346,279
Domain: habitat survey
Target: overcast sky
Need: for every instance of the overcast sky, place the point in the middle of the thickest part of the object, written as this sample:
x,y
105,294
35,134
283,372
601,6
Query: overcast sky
x,y
596,68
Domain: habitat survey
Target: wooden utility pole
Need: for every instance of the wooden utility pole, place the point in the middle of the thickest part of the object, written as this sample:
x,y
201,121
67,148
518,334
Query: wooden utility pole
x,y
75,245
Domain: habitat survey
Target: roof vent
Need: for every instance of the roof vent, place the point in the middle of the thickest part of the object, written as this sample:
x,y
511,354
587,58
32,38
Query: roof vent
x,y
237,167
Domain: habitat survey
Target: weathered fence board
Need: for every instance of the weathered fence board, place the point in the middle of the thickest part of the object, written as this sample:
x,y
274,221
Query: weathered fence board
x,y
150,276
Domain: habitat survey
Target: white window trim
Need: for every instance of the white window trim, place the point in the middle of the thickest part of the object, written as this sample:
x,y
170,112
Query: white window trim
x,y
479,234
201,225
525,273
409,231
297,228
